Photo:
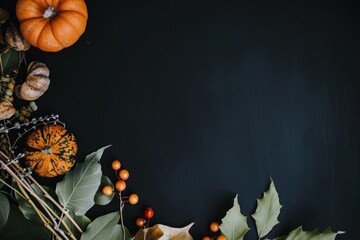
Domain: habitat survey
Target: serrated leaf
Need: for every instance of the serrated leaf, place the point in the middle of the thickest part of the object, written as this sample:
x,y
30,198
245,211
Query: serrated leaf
x,y
100,198
104,227
234,225
299,233
77,190
9,59
4,210
267,211
18,227
83,221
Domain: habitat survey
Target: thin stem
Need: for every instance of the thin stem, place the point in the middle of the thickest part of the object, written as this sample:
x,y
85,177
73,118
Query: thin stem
x,y
121,214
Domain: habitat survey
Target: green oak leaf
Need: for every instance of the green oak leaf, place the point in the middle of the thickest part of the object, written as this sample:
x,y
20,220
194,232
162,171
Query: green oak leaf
x,y
77,190
83,221
267,211
4,210
234,225
104,227
18,227
299,233
100,198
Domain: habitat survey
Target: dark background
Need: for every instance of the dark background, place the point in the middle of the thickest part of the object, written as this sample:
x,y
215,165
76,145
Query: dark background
x,y
205,99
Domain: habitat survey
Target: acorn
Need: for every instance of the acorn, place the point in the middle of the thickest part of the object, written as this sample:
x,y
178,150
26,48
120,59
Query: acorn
x,y
15,40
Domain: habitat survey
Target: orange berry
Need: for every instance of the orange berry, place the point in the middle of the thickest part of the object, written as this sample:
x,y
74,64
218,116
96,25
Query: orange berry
x,y
221,237
140,222
120,185
214,226
133,199
107,190
124,174
116,165
206,238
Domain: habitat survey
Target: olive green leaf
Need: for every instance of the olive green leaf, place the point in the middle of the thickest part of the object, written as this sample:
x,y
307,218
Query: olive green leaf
x,y
26,207
9,59
18,227
234,225
299,233
4,210
83,221
267,211
77,190
100,198
119,233
104,227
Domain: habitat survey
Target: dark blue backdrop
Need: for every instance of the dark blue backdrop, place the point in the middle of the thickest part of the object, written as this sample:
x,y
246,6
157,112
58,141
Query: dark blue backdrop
x,y
205,99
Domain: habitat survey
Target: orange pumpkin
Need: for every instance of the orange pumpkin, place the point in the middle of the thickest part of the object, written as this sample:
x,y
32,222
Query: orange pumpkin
x,y
52,25
53,151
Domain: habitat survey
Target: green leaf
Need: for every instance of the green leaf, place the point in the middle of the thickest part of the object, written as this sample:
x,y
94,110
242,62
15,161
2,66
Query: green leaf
x,y
100,198
4,210
18,227
9,59
82,221
77,190
234,225
28,210
267,211
310,235
119,233
104,227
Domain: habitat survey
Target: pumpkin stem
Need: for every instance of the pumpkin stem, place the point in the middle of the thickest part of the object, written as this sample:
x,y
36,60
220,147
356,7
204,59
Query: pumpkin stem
x,y
49,12
47,150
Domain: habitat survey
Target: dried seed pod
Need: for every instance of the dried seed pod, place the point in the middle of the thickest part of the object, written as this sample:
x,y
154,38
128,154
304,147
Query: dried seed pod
x,y
6,109
4,15
36,83
15,40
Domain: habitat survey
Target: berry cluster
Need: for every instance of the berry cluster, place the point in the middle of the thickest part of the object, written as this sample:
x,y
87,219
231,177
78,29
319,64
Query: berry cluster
x,y
215,228
144,222
120,184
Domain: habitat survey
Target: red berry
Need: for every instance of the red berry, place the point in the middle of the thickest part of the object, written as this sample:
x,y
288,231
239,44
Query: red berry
x,y
140,222
107,190
149,212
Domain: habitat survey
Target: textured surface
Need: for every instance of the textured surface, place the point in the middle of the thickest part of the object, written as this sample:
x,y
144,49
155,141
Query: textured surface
x,y
204,99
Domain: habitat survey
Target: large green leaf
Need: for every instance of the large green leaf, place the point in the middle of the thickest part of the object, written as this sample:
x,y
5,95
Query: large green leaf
x,y
82,221
100,198
234,225
4,210
9,59
104,227
18,227
77,189
118,233
299,233
267,211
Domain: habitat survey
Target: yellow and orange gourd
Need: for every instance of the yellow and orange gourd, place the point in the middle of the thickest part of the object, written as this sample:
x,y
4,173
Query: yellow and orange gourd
x,y
53,151
52,25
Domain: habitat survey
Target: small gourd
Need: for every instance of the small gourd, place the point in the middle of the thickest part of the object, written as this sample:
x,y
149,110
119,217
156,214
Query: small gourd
x,y
15,40
52,25
36,83
52,150
6,109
